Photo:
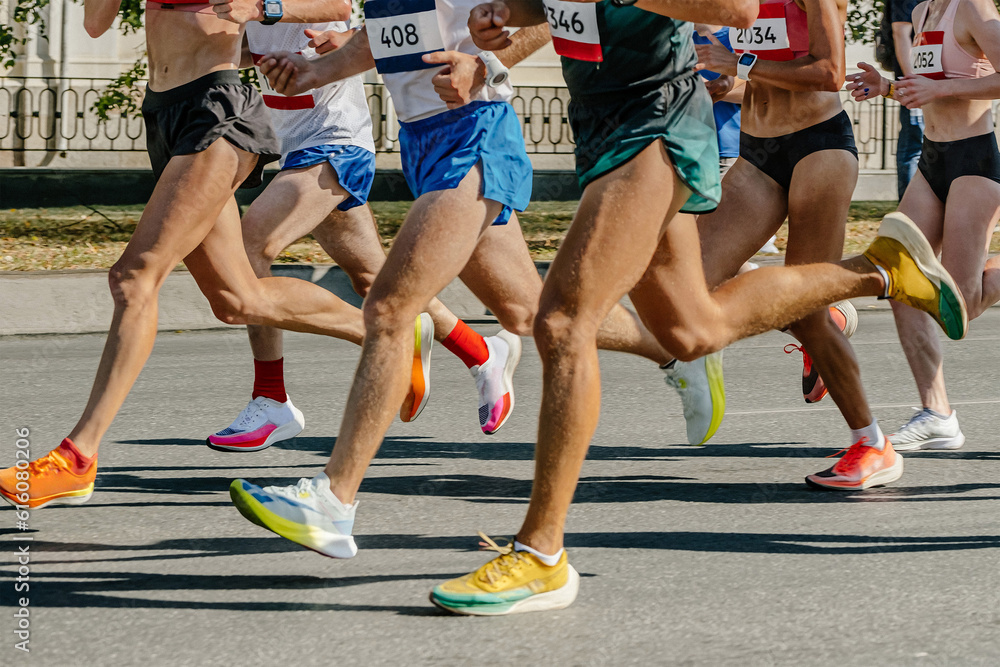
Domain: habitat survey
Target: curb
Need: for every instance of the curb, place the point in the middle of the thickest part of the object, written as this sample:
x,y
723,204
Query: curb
x,y
78,302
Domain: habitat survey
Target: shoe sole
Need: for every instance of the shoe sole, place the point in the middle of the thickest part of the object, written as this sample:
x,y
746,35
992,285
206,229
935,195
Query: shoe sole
x,y
850,314
286,431
952,315
880,478
340,546
513,359
72,498
934,444
550,601
717,389
420,376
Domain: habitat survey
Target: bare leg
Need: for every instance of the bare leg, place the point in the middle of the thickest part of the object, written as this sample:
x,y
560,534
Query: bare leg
x,y
292,205
185,204
816,234
434,243
597,264
503,276
959,234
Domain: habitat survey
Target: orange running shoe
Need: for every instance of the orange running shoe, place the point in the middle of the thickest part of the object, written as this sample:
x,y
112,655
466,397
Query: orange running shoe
x,y
861,467
49,479
420,374
845,316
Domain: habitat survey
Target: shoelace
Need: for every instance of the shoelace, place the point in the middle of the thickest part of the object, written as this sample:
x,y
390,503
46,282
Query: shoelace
x,y
249,414
853,455
44,466
922,416
497,568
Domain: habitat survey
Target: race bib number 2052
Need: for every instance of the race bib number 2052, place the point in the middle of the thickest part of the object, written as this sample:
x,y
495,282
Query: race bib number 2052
x,y
400,33
574,30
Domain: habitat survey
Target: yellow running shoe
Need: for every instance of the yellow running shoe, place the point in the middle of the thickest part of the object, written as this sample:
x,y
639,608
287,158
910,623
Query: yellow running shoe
x,y
511,583
916,277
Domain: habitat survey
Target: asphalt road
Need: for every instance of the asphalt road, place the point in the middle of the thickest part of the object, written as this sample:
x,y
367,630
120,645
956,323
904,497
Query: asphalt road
x,y
711,556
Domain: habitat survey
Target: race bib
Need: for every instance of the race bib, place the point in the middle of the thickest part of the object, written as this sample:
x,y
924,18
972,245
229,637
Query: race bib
x,y
927,54
275,100
574,30
767,37
401,32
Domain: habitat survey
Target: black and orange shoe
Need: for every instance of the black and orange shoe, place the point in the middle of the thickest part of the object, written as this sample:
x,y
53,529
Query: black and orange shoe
x,y
845,316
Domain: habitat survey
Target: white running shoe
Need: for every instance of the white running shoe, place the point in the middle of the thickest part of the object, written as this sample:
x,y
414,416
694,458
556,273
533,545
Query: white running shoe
x,y
306,513
769,247
263,422
703,394
495,380
926,430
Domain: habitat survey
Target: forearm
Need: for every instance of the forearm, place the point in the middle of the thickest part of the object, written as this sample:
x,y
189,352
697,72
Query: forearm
x,y
315,11
985,88
99,15
353,58
735,96
524,42
902,35
733,13
800,75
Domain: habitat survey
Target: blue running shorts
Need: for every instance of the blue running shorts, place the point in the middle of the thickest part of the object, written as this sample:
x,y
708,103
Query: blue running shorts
x,y
354,166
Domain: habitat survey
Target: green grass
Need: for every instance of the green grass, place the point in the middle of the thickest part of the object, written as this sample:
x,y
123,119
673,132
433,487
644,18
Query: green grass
x,y
82,238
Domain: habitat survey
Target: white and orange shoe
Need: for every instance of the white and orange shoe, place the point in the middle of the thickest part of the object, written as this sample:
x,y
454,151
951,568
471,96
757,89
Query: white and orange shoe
x,y
420,373
495,380
863,466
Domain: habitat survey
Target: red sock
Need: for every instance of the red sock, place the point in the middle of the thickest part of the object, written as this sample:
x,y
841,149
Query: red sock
x,y
78,462
467,345
269,379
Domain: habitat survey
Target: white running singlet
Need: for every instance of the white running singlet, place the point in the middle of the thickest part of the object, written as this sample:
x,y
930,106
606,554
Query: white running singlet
x,y
399,32
336,113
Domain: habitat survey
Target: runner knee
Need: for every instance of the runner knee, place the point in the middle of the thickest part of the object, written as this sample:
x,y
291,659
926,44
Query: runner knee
x,y
687,343
555,329
517,318
385,314
362,282
230,308
132,284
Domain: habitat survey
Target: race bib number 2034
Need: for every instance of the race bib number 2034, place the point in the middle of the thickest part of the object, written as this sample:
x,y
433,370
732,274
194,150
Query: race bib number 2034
x,y
400,33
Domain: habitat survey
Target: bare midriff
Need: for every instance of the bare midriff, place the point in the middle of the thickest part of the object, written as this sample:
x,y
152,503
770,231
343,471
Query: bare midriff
x,y
769,111
184,46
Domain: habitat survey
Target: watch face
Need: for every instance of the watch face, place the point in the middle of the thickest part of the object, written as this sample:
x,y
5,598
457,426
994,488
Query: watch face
x,y
746,59
272,8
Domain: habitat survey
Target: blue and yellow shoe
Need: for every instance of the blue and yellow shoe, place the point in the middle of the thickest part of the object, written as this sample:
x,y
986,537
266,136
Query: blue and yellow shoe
x,y
512,583
306,513
916,277
420,373
703,394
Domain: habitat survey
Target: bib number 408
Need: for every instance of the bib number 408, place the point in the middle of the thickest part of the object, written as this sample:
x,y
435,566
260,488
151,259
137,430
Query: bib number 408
x,y
558,19
397,36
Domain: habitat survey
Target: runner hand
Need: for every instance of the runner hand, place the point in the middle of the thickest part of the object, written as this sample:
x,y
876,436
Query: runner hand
x,y
867,83
720,87
238,11
715,57
288,73
462,78
914,91
486,25
329,40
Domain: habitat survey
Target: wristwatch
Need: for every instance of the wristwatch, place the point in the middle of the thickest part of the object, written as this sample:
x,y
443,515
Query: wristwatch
x,y
273,11
744,64
496,71
623,3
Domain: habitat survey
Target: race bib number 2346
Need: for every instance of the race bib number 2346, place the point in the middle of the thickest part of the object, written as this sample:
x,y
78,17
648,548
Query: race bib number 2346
x,y
574,30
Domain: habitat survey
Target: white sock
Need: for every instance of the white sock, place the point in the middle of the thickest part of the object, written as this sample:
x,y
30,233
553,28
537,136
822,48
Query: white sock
x,y
885,278
323,482
872,434
545,558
